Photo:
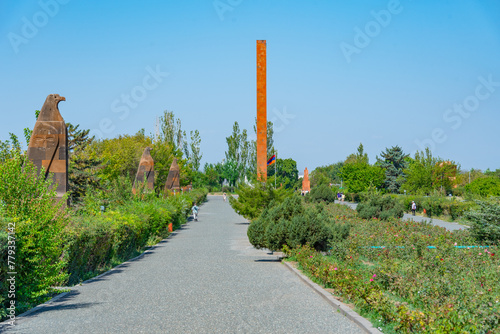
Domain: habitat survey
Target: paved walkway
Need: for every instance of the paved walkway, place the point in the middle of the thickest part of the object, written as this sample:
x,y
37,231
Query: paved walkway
x,y
207,278
450,226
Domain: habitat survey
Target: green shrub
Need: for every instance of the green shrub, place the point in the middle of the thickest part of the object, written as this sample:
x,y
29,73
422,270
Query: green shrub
x,y
290,223
321,193
251,201
403,286
90,248
382,207
39,221
3,269
486,186
309,228
485,222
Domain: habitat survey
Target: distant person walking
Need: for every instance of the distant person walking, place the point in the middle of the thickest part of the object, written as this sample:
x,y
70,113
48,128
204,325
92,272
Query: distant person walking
x,y
413,208
194,209
339,196
343,197
224,197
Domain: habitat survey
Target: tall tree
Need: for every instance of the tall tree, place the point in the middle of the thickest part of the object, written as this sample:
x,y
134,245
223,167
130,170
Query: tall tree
x,y
121,155
171,143
270,140
496,173
358,177
195,145
231,172
213,177
326,174
394,163
78,139
83,171
419,173
252,156
234,144
286,174
10,148
445,175
171,131
359,157
239,154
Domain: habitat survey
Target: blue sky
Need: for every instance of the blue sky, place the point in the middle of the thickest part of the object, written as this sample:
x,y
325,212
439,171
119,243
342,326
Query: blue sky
x,y
340,73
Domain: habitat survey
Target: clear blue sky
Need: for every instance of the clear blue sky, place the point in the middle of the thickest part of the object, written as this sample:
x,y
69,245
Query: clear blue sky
x,y
382,73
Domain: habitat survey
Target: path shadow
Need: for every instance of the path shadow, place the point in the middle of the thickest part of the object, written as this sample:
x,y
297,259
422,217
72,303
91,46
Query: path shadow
x,y
245,223
58,305
277,259
147,252
120,268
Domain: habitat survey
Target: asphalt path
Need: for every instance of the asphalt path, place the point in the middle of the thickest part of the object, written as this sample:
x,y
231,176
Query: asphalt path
x,y
206,278
450,226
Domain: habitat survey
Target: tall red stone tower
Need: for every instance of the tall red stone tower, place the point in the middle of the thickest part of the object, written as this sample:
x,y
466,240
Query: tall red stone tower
x,y
261,112
306,184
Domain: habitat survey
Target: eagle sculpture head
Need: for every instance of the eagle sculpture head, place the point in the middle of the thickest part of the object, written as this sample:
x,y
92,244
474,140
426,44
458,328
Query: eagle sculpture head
x,y
50,109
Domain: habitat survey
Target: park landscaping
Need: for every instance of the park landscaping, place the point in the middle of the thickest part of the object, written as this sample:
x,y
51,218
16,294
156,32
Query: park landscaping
x,y
108,215
406,277
409,277
59,246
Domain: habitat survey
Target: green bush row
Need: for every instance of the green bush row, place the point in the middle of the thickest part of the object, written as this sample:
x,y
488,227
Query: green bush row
x,y
96,243
54,247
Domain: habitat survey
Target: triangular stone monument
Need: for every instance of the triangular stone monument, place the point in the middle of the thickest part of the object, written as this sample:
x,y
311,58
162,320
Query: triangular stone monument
x,y
146,171
173,179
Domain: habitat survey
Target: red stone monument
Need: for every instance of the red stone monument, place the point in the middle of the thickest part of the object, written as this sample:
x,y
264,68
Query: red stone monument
x,y
306,184
48,146
146,171
173,179
261,112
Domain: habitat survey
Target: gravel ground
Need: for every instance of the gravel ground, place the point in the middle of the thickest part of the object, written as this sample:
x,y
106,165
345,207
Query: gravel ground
x,y
206,278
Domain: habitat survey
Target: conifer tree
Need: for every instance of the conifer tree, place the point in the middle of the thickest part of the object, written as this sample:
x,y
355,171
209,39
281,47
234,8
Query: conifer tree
x,y
394,163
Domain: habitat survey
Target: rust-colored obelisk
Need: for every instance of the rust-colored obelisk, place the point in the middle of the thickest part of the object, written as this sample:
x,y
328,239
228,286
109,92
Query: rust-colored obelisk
x,y
306,184
261,112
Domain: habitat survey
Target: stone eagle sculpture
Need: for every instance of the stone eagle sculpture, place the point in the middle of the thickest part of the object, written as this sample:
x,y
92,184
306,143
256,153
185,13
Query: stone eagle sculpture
x,y
48,146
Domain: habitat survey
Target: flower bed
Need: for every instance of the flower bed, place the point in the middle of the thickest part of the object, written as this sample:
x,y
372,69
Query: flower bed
x,y
407,286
